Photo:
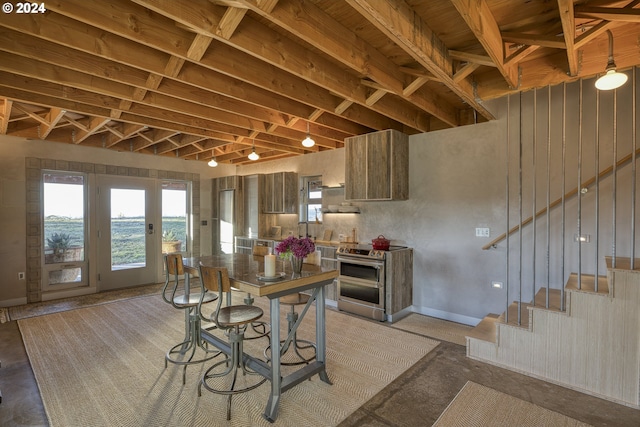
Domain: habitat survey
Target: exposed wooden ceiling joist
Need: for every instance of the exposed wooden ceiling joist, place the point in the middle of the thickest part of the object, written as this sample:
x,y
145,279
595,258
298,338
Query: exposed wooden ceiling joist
x,y
194,78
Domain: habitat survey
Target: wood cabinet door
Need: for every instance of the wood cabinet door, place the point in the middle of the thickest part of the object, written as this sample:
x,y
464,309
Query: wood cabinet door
x,y
379,166
355,168
290,192
267,193
278,193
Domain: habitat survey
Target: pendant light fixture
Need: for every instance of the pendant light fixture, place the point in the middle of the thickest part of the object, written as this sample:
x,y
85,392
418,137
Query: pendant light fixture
x,y
212,163
308,141
253,155
611,78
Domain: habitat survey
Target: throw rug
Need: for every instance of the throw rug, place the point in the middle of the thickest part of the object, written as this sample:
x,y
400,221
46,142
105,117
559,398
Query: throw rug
x,y
104,366
479,406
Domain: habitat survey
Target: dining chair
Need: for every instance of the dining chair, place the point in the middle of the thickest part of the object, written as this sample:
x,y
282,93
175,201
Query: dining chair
x,y
184,353
233,320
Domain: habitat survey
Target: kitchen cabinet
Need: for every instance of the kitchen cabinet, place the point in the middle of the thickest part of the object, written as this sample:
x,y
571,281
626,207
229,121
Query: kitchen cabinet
x,y
377,166
280,192
399,273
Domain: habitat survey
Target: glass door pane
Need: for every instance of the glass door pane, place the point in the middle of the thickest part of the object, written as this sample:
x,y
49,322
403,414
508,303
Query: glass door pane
x,y
64,230
127,241
128,229
174,217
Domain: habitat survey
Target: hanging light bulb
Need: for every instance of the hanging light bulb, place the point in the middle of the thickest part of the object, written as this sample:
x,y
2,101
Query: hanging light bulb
x,y
308,141
253,155
611,78
212,163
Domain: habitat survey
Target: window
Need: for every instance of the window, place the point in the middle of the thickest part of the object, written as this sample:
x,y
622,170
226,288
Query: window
x,y
175,227
64,225
311,199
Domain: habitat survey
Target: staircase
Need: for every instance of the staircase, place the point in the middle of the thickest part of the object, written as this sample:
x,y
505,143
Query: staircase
x,y
593,346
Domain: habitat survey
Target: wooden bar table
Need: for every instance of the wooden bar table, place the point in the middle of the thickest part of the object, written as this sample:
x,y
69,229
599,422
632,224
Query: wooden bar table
x,y
244,271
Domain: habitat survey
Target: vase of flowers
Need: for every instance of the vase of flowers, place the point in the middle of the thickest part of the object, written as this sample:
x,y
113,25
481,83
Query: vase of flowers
x,y
295,250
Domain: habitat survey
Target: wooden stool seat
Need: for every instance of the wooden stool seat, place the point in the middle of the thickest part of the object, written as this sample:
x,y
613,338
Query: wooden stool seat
x,y
238,315
194,299
294,299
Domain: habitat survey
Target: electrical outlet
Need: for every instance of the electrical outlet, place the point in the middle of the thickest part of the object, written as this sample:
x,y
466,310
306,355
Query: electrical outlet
x,y
496,285
483,232
21,275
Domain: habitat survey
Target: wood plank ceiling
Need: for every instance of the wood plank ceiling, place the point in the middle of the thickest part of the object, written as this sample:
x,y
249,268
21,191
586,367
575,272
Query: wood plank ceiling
x,y
197,78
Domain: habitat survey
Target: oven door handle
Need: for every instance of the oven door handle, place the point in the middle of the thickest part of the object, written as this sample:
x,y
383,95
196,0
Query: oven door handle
x,y
366,263
360,282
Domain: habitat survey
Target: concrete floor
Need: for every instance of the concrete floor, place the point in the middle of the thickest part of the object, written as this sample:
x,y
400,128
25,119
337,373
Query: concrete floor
x,y
416,398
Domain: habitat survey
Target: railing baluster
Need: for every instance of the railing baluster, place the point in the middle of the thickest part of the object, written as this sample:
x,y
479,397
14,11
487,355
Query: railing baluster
x,y
562,203
548,266
520,213
534,188
579,167
506,315
633,172
597,185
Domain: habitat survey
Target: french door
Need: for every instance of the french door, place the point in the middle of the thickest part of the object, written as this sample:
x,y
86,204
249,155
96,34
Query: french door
x,y
128,250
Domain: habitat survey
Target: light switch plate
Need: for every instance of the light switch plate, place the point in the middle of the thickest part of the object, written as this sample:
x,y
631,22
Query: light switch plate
x,y
483,232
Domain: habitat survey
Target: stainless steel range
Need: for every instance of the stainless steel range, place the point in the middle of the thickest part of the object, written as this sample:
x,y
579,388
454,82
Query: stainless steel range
x,y
367,281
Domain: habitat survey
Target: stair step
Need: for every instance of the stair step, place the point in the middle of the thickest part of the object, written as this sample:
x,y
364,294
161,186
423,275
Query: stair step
x,y
622,263
587,284
486,329
540,303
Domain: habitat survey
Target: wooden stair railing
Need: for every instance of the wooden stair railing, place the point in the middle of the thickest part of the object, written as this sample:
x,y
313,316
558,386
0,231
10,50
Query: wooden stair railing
x,y
586,184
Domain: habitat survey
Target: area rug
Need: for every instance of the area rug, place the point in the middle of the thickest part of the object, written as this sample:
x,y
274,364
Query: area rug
x,y
436,328
477,405
71,303
104,366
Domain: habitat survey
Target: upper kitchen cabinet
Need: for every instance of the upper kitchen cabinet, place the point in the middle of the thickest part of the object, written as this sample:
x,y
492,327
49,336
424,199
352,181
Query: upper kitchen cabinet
x,y
377,166
280,192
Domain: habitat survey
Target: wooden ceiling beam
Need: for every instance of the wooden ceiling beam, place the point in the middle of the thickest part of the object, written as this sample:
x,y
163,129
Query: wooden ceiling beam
x,y
608,13
53,117
569,33
94,125
5,115
400,23
274,53
473,58
191,75
481,21
553,42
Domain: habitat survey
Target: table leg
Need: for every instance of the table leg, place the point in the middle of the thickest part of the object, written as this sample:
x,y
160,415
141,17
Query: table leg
x,y
271,411
321,335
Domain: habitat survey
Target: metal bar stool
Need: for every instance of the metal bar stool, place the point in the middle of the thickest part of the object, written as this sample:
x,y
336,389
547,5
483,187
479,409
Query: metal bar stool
x,y
184,352
295,344
233,319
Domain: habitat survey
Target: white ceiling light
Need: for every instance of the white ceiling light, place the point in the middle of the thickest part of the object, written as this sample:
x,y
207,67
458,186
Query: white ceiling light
x,y
212,163
308,141
253,155
611,78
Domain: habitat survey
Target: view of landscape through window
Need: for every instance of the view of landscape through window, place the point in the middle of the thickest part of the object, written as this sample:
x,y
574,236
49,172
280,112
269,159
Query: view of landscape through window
x,y
64,218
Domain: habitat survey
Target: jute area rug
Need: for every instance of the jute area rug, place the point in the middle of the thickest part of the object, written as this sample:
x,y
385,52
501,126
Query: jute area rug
x,y
477,405
436,328
104,366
